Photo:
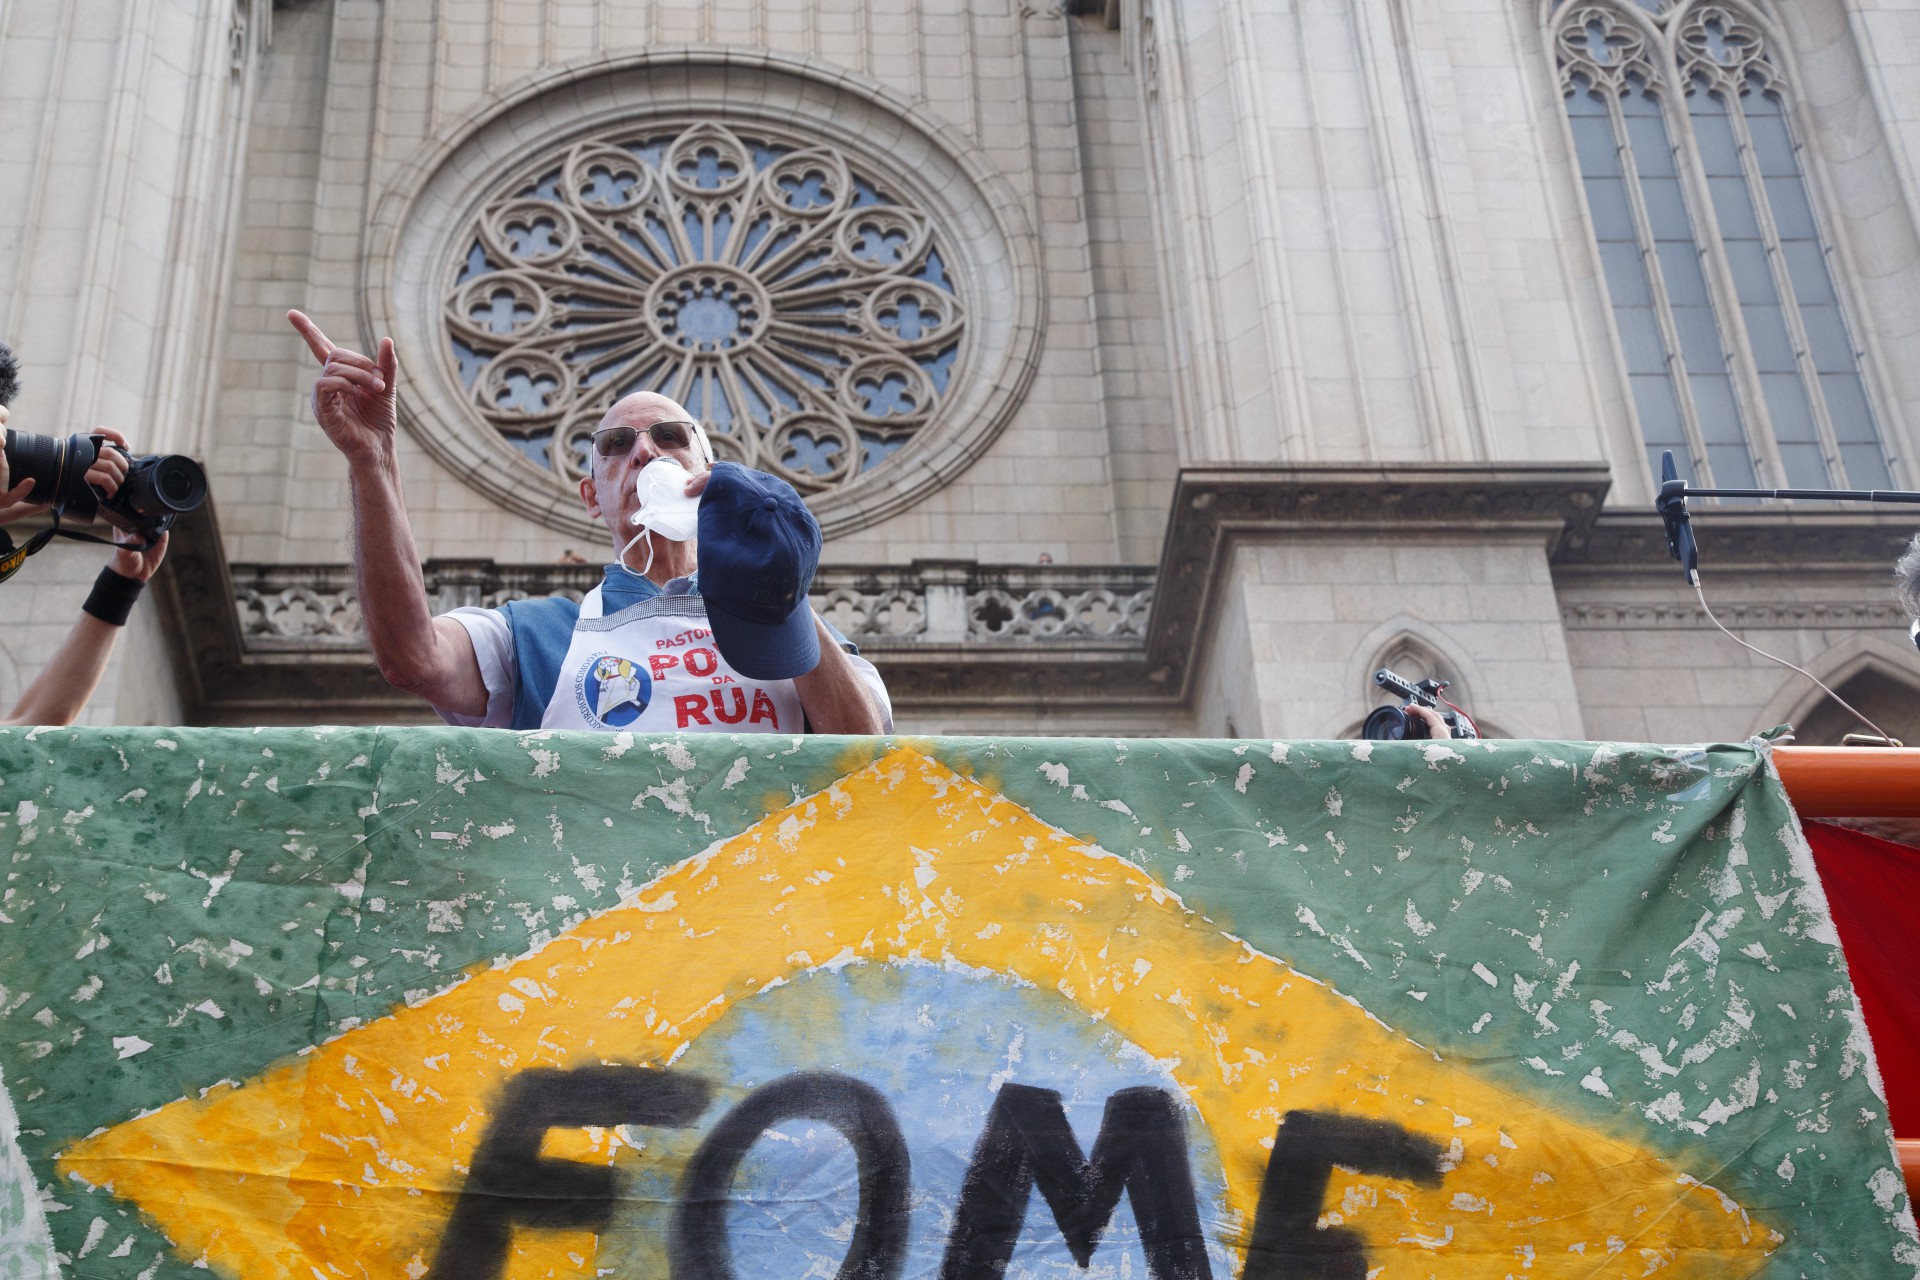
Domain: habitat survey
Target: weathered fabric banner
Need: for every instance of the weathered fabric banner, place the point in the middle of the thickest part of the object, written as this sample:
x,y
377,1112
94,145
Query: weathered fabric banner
x,y
445,1003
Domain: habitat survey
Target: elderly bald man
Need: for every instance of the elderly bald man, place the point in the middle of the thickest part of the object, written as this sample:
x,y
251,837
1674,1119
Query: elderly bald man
x,y
638,653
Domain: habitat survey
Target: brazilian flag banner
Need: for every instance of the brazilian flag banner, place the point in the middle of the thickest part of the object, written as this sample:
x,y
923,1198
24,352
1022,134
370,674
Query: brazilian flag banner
x,y
319,1003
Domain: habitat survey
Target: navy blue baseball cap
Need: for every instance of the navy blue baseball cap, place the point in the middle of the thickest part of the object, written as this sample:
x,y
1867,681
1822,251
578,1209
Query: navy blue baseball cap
x,y
758,549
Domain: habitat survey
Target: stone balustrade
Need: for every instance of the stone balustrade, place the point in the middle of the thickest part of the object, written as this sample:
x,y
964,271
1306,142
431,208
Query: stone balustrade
x,y
927,603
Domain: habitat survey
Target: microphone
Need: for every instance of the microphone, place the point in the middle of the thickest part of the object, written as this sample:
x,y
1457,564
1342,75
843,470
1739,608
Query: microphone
x,y
1672,506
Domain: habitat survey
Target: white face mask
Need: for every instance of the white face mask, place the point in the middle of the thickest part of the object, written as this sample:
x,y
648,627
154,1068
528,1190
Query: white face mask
x,y
665,508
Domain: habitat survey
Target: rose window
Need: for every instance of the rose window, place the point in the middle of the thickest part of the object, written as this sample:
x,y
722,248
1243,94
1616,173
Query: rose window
x,y
800,308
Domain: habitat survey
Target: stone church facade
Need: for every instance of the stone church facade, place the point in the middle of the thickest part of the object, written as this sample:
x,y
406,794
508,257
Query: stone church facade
x,y
1153,366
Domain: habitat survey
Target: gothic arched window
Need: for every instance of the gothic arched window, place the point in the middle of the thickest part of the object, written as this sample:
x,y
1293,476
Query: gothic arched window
x,y
1736,346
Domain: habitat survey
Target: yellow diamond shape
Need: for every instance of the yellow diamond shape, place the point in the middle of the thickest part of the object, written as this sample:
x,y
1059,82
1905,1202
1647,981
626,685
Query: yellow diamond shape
x,y
346,1161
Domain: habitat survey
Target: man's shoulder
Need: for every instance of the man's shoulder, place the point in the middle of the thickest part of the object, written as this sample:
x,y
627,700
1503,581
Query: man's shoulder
x,y
541,607
541,616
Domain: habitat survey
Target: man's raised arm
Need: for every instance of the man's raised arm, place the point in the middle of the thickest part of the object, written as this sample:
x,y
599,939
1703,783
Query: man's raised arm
x,y
355,404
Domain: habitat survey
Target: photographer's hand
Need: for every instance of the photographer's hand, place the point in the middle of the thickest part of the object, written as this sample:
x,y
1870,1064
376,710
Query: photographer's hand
x,y
131,560
1437,728
109,465
108,470
353,400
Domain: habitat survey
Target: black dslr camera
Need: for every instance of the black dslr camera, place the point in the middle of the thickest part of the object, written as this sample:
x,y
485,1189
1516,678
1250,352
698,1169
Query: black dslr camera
x,y
158,487
1393,724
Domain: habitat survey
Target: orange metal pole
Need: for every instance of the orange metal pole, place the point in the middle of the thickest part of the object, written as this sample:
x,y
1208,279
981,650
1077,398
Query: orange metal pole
x,y
1910,1164
1851,782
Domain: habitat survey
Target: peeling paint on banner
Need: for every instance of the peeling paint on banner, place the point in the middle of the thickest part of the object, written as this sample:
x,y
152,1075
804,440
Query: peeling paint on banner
x,y
452,1003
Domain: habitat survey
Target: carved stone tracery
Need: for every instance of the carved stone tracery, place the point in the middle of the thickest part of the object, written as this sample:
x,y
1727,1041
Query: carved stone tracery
x,y
1600,45
798,305
304,606
1717,47
1722,52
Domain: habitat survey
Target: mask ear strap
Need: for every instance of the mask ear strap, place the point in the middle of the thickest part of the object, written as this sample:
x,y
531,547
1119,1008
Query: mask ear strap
x,y
639,537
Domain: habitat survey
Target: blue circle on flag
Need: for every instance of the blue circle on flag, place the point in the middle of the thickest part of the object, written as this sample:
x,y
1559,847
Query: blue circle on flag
x,y
937,1042
615,690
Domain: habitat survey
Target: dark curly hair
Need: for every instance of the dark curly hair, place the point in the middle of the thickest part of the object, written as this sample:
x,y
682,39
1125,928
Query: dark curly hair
x,y
9,374
1907,577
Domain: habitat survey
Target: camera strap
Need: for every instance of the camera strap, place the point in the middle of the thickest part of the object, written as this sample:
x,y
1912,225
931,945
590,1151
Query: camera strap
x,y
12,557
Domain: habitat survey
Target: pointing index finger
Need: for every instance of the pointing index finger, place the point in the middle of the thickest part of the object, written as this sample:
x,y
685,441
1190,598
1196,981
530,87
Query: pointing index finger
x,y
316,340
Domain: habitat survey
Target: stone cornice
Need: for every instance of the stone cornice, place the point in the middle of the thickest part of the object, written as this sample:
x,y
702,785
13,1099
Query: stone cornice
x,y
1744,539
223,681
281,642
1605,616
1213,507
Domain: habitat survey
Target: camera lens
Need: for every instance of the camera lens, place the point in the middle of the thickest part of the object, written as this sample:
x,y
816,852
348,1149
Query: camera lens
x,y
180,483
57,467
161,485
1386,724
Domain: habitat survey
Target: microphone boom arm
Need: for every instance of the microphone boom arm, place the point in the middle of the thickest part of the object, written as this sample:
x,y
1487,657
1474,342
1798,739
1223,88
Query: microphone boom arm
x,y
1672,506
1822,495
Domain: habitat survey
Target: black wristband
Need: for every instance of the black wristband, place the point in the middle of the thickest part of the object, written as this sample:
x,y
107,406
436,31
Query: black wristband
x,y
112,597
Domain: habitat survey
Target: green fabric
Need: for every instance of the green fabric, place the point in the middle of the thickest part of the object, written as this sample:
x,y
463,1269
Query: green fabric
x,y
1630,936
25,1249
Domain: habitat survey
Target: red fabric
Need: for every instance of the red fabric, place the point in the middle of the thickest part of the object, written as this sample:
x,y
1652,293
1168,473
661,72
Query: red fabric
x,y
1874,888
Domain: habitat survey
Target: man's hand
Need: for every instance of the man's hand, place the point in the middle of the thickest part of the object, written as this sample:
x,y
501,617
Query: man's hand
x,y
354,398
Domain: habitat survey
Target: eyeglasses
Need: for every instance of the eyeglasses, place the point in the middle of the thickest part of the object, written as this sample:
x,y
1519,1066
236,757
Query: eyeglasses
x,y
614,442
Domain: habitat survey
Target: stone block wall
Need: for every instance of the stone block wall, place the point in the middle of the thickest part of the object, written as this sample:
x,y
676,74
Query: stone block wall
x,y
1650,667
1314,618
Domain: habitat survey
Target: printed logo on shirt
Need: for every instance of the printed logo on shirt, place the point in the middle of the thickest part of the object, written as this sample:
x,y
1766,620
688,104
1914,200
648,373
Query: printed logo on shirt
x,y
683,660
611,691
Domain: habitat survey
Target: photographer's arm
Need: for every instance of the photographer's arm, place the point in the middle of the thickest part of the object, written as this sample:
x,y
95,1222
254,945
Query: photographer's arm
x,y
61,690
355,404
